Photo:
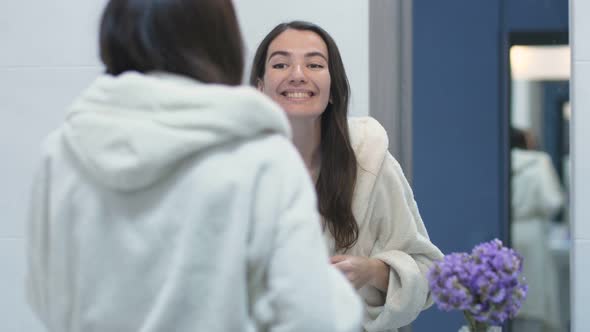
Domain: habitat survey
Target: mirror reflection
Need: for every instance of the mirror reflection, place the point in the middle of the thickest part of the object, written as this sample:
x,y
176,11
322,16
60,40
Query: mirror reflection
x,y
539,181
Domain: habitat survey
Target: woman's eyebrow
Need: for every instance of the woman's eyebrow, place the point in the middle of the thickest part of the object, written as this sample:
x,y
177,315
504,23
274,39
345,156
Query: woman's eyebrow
x,y
283,53
312,54
307,55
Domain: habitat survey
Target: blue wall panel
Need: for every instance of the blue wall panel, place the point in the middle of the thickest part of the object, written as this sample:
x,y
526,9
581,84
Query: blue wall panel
x,y
539,15
456,136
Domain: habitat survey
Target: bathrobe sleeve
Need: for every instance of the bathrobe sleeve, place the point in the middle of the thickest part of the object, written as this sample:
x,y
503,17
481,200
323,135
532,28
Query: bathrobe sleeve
x,y
401,241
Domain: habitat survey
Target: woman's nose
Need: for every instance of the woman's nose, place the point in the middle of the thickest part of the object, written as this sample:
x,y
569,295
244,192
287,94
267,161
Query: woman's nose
x,y
297,75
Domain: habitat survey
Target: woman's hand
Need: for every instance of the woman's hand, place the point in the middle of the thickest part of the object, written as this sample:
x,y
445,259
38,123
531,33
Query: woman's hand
x,y
361,271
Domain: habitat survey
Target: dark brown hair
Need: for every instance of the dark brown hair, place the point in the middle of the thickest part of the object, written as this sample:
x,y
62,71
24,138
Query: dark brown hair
x,y
195,38
517,138
337,178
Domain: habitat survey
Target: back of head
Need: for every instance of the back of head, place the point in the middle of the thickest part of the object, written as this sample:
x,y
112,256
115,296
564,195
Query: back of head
x,y
158,53
518,138
194,38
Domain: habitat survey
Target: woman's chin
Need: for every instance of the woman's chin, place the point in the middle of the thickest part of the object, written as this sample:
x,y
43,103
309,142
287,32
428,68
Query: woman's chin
x,y
300,113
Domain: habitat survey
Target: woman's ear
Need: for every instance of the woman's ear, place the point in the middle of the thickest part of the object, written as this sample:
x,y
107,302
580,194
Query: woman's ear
x,y
260,85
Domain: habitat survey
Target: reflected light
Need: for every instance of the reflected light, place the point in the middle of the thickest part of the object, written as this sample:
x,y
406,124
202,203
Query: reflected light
x,y
540,62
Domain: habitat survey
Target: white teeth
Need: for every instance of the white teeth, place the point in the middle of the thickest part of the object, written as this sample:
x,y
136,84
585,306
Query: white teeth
x,y
297,95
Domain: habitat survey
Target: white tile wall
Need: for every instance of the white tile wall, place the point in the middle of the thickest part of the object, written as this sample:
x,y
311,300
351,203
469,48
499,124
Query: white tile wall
x,y
15,313
580,30
579,10
33,102
49,33
49,53
581,160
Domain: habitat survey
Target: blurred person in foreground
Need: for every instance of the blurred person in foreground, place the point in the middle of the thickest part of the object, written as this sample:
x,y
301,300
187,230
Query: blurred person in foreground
x,y
173,200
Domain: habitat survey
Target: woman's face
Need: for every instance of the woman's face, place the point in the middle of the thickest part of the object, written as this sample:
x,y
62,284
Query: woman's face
x,y
296,73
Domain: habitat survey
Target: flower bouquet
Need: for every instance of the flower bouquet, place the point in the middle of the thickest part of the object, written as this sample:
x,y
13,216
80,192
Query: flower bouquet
x,y
486,285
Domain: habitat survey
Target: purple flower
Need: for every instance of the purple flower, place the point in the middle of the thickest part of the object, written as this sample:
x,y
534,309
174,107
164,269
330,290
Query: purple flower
x,y
486,284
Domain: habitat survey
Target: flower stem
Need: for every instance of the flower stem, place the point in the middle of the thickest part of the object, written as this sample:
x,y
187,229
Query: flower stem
x,y
474,325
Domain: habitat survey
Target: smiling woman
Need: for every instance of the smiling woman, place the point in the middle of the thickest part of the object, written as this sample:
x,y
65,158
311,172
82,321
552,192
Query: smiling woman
x,y
371,223
322,119
297,75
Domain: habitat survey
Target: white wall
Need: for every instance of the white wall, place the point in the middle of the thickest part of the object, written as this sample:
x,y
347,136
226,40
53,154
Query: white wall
x,y
580,30
49,54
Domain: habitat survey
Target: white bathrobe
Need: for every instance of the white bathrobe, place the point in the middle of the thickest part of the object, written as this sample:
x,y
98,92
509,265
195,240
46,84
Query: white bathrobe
x,y
390,229
537,196
163,204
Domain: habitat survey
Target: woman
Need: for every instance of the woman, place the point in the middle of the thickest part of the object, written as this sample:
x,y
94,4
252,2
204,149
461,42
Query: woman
x,y
370,218
141,220
537,197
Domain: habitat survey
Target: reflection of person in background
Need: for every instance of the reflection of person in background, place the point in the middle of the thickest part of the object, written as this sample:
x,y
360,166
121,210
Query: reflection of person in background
x,y
171,200
537,197
370,218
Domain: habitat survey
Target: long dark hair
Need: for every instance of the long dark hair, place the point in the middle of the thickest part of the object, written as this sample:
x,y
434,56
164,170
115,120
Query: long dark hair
x,y
199,39
337,178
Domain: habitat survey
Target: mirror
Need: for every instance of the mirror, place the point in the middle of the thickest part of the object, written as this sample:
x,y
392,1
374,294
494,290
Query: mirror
x,y
539,121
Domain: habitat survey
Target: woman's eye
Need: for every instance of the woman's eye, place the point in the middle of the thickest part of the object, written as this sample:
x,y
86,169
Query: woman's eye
x,y
279,66
316,66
